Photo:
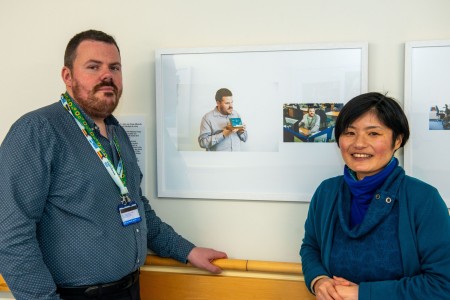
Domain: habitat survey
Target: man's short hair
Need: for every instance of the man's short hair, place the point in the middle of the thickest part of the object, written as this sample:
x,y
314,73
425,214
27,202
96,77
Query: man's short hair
x,y
223,93
89,35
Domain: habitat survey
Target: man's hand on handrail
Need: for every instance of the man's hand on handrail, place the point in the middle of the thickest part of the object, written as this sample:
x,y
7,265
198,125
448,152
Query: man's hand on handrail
x,y
203,257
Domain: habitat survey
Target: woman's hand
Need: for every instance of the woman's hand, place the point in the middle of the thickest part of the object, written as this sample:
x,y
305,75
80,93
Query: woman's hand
x,y
325,289
346,289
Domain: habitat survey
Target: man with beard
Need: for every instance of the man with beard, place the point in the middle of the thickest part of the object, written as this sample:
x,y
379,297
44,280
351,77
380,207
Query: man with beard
x,y
310,121
216,131
74,223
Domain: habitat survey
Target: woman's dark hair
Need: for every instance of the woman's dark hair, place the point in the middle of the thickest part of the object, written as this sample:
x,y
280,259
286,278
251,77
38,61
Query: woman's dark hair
x,y
388,111
89,35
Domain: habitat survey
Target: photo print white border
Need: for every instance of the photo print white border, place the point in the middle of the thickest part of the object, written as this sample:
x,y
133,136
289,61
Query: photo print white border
x,y
261,79
427,77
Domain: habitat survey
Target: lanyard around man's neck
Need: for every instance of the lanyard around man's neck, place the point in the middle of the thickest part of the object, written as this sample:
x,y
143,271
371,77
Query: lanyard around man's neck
x,y
118,175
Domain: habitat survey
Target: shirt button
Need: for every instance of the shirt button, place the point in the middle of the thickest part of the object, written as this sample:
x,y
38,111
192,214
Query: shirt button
x,y
388,200
138,260
137,230
377,196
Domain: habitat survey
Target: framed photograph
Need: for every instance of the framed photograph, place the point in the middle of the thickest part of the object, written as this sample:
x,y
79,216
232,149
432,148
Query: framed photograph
x,y
229,120
427,101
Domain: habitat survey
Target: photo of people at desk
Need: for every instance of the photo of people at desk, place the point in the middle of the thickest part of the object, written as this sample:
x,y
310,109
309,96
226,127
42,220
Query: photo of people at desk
x,y
310,122
439,117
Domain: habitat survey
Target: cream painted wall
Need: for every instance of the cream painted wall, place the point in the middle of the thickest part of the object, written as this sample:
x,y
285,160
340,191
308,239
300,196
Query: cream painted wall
x,y
33,36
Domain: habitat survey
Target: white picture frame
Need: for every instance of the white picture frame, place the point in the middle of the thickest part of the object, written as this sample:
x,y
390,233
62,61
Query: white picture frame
x,y
261,79
427,92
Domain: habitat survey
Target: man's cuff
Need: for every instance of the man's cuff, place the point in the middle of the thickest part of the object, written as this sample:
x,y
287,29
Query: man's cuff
x,y
184,247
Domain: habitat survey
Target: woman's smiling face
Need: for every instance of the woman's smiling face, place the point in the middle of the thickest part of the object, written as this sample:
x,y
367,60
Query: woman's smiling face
x,y
366,145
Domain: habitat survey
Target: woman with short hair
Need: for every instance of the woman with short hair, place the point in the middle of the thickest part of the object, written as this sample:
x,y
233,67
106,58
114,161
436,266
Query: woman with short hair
x,y
374,232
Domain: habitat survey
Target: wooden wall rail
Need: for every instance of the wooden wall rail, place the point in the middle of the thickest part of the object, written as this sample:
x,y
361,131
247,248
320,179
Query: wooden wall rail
x,y
234,264
167,279
3,286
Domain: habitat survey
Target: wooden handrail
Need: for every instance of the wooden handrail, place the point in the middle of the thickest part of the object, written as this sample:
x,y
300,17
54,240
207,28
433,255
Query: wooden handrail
x,y
234,265
3,286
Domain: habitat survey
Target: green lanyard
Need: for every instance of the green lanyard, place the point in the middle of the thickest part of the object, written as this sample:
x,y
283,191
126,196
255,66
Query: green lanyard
x,y
118,175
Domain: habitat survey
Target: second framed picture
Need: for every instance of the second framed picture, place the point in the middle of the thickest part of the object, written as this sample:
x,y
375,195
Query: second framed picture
x,y
252,123
427,105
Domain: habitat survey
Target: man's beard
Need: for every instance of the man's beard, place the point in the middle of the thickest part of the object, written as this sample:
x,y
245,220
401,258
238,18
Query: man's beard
x,y
226,112
94,106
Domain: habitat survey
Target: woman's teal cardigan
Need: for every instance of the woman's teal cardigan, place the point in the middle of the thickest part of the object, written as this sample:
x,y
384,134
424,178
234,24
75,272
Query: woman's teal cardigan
x,y
424,236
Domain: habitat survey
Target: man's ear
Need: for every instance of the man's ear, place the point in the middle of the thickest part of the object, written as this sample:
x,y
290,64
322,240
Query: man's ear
x,y
66,75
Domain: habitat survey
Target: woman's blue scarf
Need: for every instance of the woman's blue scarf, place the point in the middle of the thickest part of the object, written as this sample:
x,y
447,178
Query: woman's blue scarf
x,y
363,190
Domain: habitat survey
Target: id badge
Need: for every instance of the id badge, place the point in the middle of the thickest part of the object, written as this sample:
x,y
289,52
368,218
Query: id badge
x,y
129,213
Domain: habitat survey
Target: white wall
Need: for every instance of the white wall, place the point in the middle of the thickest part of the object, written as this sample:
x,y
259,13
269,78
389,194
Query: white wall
x,y
33,36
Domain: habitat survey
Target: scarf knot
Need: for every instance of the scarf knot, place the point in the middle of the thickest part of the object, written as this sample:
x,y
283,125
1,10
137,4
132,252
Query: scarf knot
x,y
363,190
